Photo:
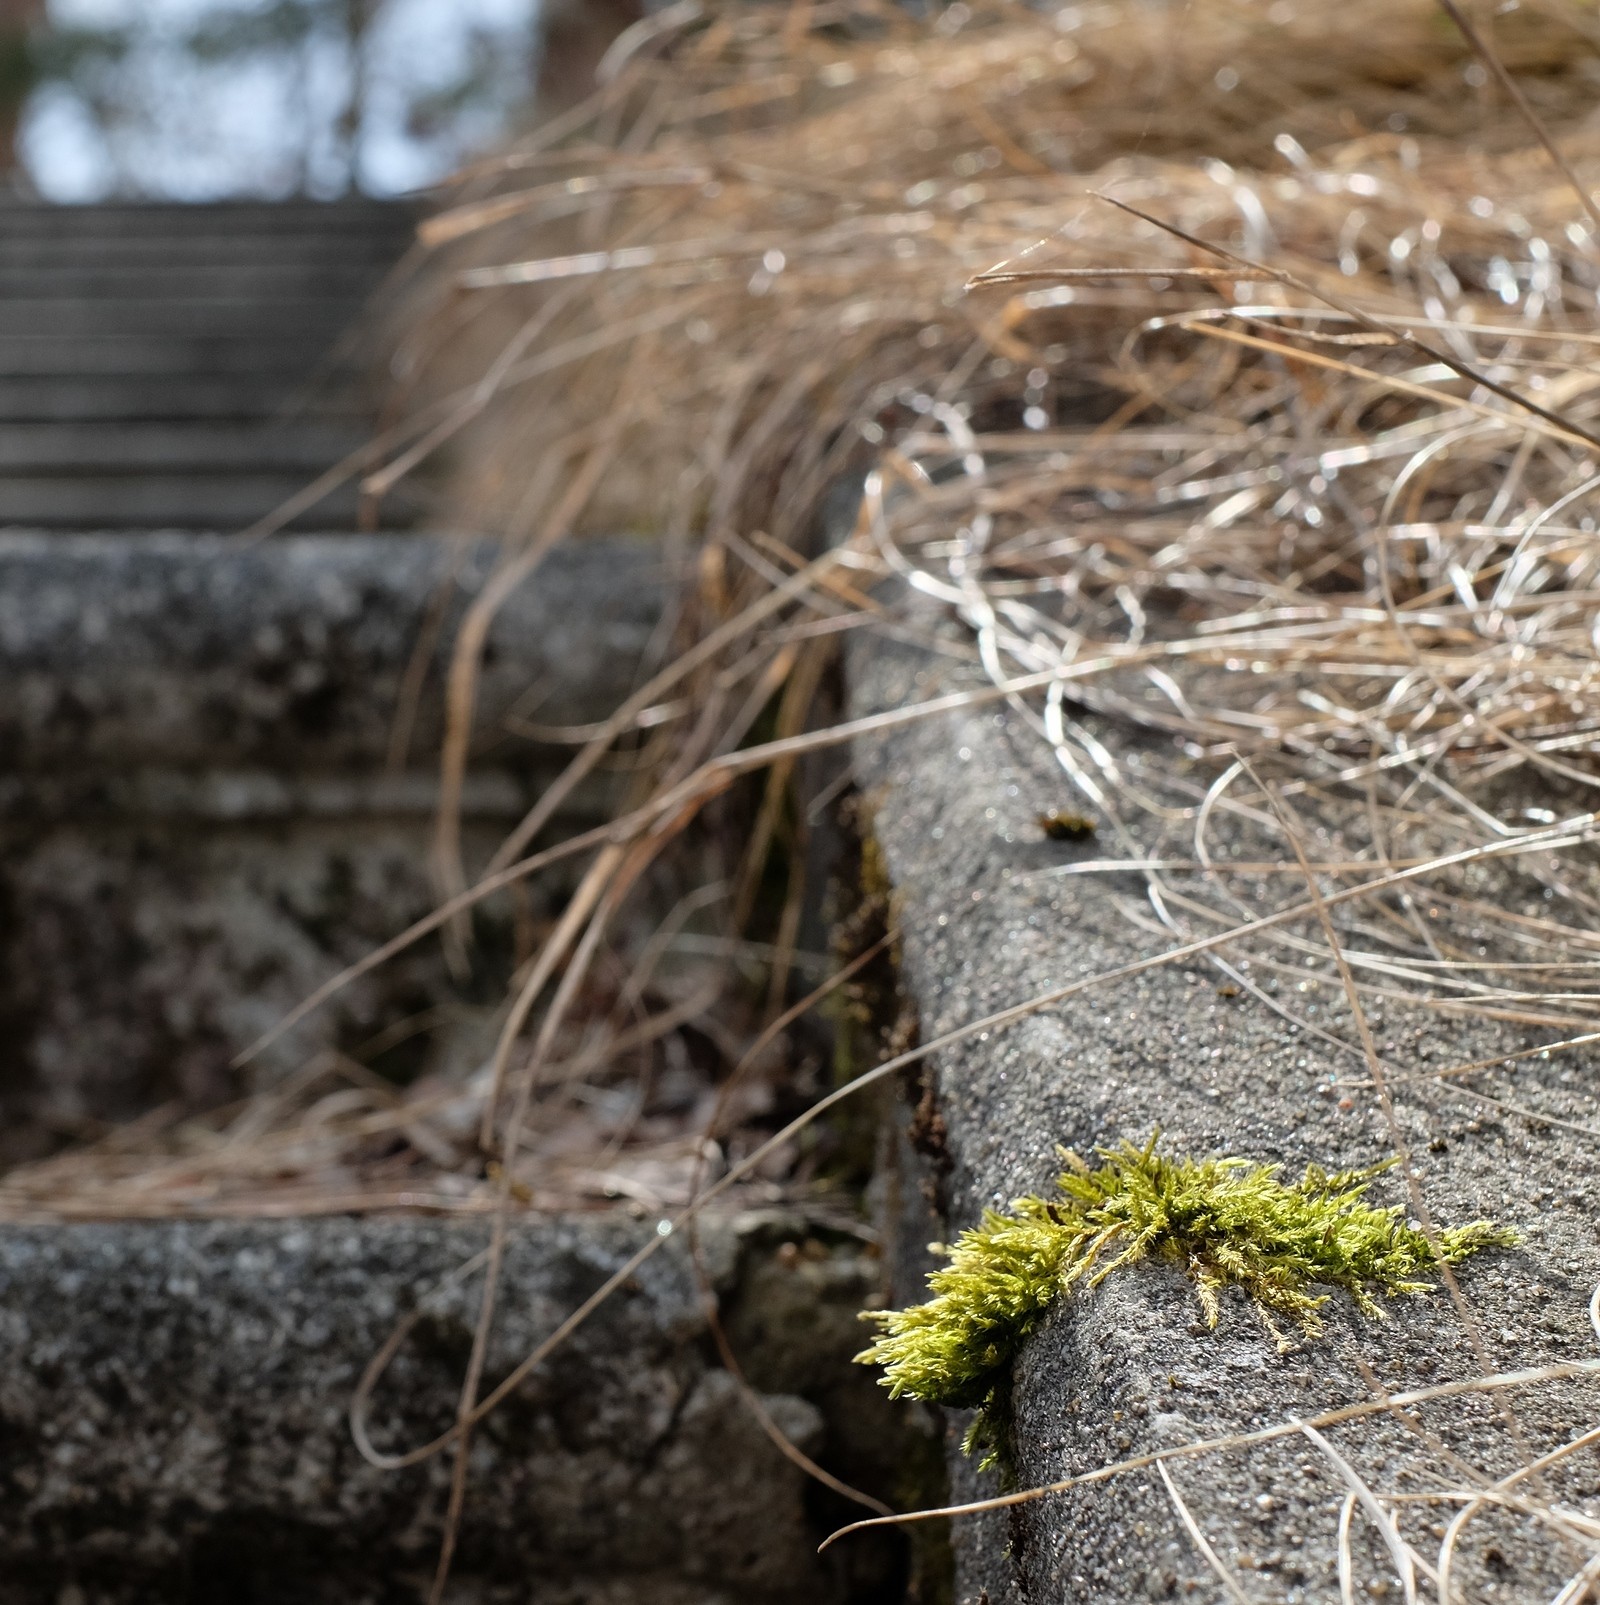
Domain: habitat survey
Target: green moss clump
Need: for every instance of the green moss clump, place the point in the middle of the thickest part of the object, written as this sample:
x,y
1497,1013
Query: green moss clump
x,y
1224,1221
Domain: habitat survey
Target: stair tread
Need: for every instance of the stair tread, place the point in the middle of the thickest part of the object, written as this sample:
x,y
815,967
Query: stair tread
x,y
204,250
140,282
189,443
164,398
299,352
176,219
218,501
227,316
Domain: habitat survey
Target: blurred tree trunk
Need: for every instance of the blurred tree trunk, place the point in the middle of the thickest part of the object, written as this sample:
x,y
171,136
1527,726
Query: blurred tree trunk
x,y
18,18
358,17
574,35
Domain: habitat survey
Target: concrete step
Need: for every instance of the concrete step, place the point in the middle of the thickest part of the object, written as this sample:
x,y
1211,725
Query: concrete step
x,y
176,1427
290,219
296,352
991,916
47,398
28,450
200,815
121,651
184,279
236,317
375,252
230,501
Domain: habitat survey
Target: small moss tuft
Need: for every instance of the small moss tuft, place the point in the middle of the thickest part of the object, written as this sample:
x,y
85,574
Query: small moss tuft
x,y
1225,1221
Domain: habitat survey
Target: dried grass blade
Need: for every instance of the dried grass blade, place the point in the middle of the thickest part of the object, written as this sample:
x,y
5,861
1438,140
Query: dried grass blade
x,y
1229,1582
1400,1552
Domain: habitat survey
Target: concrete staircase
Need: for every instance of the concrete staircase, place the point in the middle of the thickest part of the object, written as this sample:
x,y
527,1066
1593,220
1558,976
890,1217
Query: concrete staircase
x,y
179,367
168,376
205,810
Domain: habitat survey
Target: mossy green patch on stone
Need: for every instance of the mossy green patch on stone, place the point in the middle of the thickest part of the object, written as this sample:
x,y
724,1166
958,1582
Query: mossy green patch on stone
x,y
1226,1222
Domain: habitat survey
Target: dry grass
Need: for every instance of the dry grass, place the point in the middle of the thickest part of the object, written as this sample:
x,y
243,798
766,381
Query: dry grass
x,y
1290,467
1263,485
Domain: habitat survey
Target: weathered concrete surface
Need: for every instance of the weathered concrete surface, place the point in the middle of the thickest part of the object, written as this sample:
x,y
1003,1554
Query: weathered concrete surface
x,y
188,651
173,1417
1129,1368
198,819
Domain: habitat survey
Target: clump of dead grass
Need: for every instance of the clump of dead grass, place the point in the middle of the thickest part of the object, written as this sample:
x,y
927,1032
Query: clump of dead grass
x,y
1283,464
1289,463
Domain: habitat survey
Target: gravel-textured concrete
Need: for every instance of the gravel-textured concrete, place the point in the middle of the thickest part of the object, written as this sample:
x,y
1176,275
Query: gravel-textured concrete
x,y
1129,1368
180,651
200,820
173,1417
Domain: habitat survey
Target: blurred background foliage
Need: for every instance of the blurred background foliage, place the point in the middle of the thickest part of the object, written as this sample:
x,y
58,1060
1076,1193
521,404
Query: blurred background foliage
x,y
202,99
